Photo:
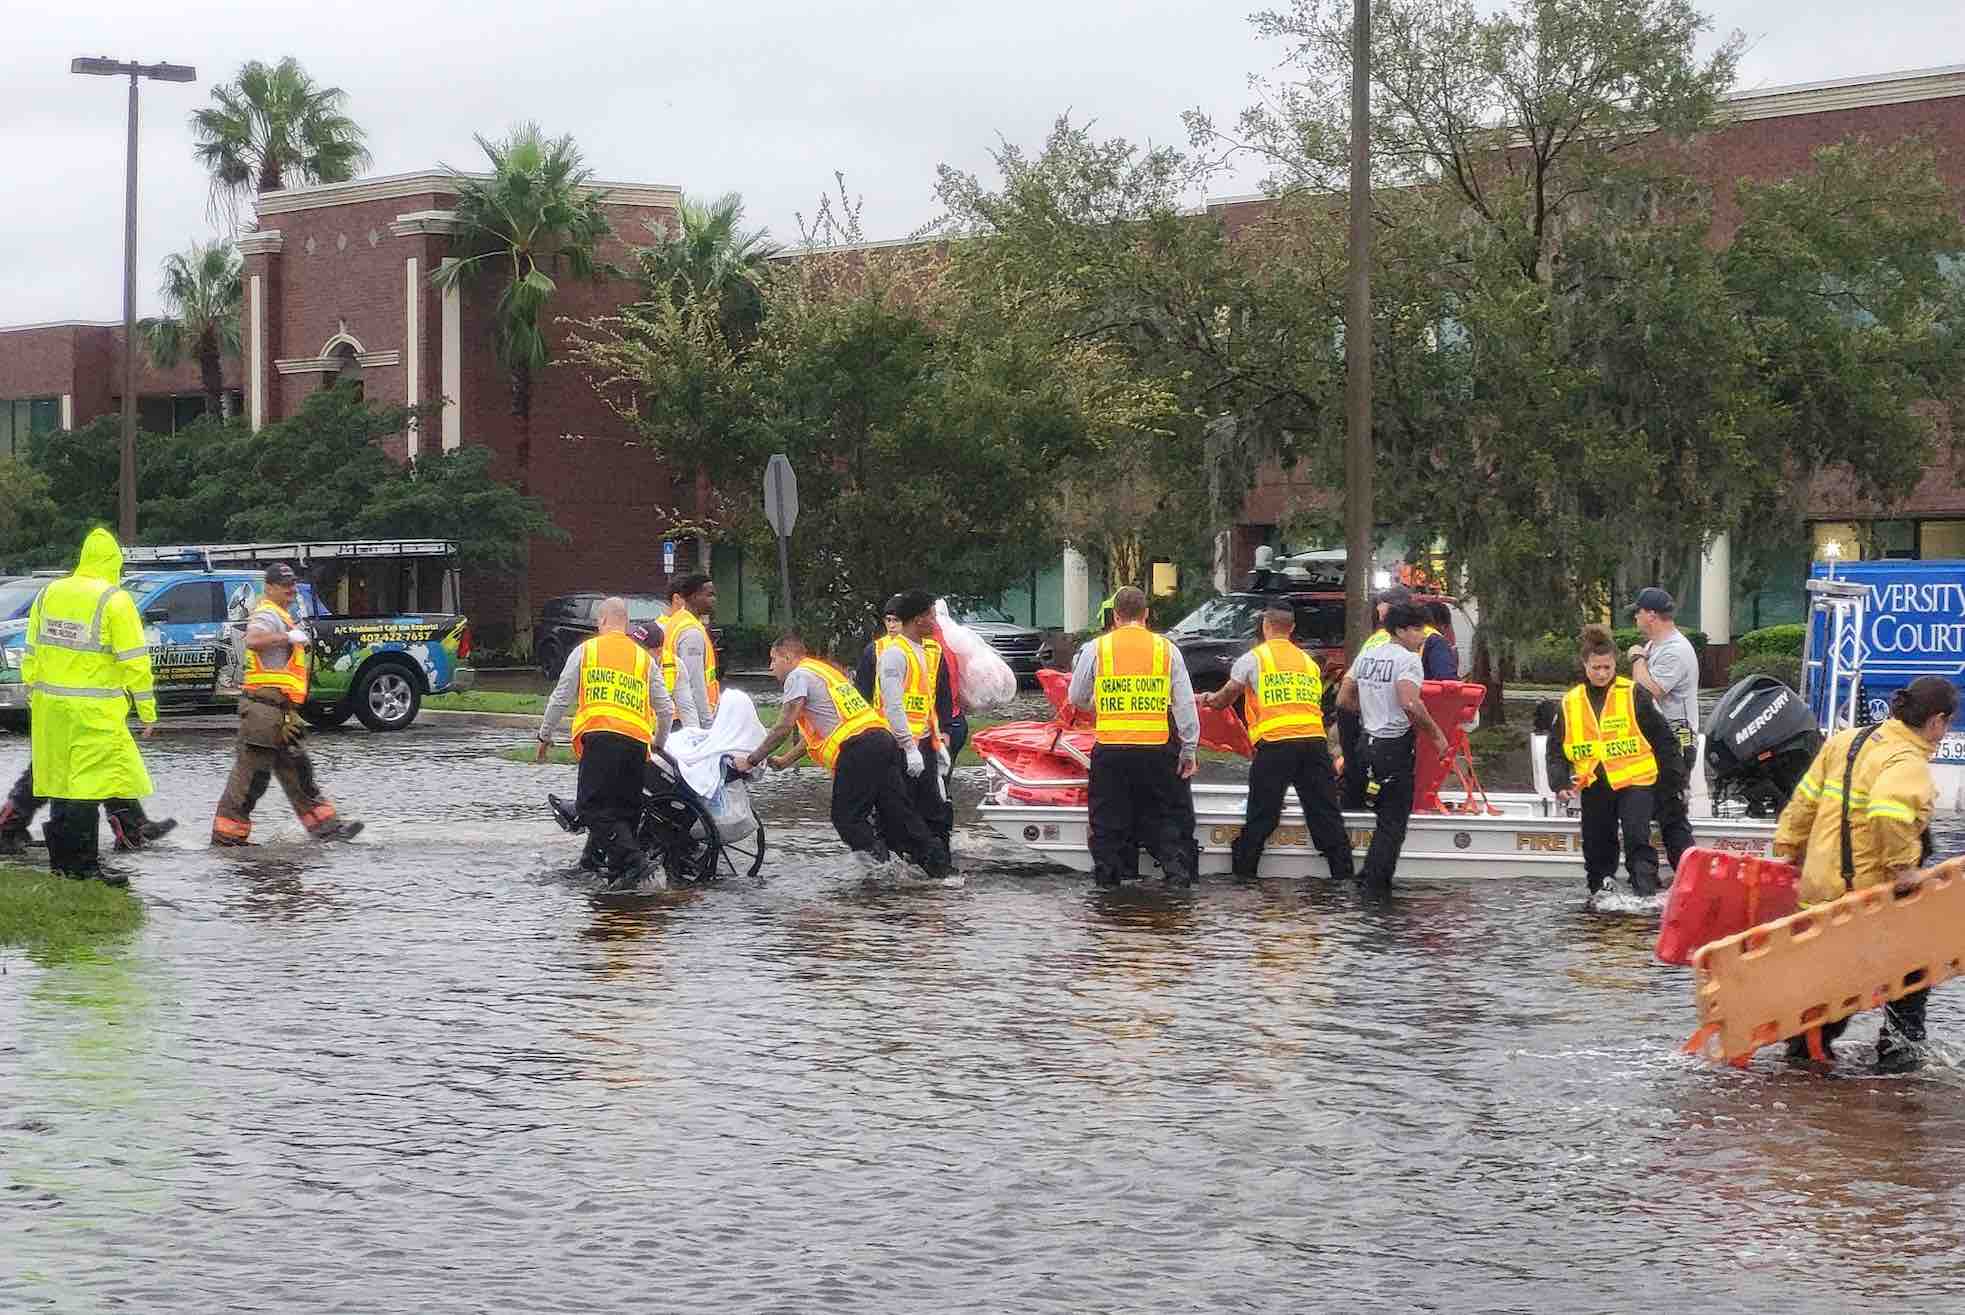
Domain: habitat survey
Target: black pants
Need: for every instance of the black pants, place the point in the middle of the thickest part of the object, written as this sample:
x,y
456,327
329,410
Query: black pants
x,y
870,789
71,836
1903,1025
1390,766
126,816
1305,765
1350,732
1611,816
1137,800
928,792
608,796
1669,807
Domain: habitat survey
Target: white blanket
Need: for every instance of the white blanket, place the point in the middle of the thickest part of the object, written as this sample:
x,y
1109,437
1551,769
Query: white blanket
x,y
700,754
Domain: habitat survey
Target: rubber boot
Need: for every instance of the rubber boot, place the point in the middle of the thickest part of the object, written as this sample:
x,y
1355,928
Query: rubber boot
x,y
13,828
1900,1045
342,829
565,814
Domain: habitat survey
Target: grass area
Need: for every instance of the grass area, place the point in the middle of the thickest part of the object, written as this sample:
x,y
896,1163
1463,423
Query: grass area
x,y
1499,741
56,920
487,700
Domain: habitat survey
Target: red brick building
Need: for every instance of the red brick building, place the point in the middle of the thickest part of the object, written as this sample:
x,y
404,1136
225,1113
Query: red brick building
x,y
61,376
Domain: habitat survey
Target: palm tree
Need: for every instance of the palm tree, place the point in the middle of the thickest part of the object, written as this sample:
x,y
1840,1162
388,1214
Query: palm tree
x,y
272,127
709,254
202,292
536,212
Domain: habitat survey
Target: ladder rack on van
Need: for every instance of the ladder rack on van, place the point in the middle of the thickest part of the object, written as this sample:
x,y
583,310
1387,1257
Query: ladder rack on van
x,y
210,556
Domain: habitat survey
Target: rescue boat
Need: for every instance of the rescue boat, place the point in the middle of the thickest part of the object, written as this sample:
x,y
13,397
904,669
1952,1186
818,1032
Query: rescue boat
x,y
1039,773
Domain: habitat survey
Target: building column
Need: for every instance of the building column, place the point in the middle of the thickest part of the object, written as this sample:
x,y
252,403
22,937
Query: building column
x,y
1716,591
453,368
68,410
412,347
1077,592
256,353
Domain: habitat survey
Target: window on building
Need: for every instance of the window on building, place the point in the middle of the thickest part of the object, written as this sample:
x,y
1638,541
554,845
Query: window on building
x,y
1942,539
22,418
1895,540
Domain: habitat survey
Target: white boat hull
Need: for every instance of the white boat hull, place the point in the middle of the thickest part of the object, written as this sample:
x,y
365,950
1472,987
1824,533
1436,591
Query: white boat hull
x,y
1530,837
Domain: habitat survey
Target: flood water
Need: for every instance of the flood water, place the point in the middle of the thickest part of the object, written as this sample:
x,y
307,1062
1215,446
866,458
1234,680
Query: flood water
x,y
436,1070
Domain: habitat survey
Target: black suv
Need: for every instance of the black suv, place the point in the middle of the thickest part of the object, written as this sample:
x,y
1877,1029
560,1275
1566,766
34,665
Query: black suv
x,y
1220,630
568,621
1025,649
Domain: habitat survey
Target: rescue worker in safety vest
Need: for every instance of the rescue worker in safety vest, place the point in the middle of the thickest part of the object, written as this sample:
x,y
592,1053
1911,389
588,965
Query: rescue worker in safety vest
x,y
1437,661
1385,686
271,735
688,656
1861,817
1610,746
1147,731
86,667
621,714
1282,693
843,734
908,672
1667,666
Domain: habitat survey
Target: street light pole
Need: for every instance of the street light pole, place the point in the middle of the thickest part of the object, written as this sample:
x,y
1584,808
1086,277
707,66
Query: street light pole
x,y
126,519
1359,457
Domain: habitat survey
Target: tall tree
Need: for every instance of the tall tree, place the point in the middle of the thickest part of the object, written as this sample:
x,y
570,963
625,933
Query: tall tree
x,y
202,295
707,253
536,213
274,127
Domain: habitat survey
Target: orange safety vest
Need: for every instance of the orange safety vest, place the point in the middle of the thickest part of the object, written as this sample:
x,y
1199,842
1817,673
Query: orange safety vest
x,y
674,626
1132,692
613,692
289,681
1612,741
855,715
1286,702
918,699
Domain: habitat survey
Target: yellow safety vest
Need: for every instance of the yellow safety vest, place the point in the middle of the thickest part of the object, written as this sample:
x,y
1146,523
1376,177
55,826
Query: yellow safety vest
x,y
1612,741
613,692
1132,692
1286,702
918,699
289,681
1382,637
855,715
674,626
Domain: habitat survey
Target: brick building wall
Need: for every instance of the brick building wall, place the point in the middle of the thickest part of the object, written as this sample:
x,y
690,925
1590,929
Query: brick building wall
x,y
83,363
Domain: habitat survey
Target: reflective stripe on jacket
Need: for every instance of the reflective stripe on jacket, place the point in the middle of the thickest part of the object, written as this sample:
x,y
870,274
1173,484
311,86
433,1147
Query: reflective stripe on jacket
x,y
1286,702
1611,741
856,715
674,626
289,679
1132,692
1891,795
85,665
613,691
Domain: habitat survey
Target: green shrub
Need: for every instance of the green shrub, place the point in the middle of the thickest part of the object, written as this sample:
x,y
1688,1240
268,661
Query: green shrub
x,y
746,644
1784,667
1783,640
1551,660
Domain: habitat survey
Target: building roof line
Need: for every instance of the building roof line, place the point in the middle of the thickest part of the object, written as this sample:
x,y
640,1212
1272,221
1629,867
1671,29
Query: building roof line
x,y
62,324
424,182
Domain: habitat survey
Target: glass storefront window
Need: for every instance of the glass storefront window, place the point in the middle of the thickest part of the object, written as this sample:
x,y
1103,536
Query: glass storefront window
x,y
1943,539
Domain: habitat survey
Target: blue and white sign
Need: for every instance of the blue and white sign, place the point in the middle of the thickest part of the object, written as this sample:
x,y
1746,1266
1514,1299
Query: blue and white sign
x,y
668,557
1913,625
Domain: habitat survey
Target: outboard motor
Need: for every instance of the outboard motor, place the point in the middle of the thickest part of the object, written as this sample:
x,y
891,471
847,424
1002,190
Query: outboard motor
x,y
1760,741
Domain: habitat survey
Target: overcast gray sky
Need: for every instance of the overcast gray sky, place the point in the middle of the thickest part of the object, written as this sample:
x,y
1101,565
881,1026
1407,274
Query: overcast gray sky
x,y
765,97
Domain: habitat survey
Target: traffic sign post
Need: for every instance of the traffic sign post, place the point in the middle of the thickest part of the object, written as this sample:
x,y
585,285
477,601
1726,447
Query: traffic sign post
x,y
781,510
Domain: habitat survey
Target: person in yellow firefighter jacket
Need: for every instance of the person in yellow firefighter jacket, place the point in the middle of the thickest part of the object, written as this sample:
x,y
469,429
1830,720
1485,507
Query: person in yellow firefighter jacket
x,y
1147,732
272,737
688,656
87,667
871,807
1608,747
1861,817
621,714
1282,693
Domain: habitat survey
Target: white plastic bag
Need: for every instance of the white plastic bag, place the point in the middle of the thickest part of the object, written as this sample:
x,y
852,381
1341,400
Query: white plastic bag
x,y
730,809
986,680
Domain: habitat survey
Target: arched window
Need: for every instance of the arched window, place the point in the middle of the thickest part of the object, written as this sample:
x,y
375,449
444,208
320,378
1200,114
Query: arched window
x,y
348,369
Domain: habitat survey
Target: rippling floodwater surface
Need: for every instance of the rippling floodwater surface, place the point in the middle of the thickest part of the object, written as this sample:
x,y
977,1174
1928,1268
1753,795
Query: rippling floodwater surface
x,y
435,1070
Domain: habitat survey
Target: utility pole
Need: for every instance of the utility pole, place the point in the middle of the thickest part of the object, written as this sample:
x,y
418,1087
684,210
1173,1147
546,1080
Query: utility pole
x,y
126,520
1358,455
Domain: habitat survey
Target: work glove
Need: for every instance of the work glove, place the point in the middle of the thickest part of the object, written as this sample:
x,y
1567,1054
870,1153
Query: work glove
x,y
943,763
297,636
915,764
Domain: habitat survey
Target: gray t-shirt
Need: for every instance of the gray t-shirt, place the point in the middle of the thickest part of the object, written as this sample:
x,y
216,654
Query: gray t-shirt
x,y
1674,665
1379,670
692,692
891,680
804,684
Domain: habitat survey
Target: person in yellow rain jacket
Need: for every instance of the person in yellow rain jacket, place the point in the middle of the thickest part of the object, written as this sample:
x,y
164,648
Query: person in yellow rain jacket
x,y
86,667
1861,817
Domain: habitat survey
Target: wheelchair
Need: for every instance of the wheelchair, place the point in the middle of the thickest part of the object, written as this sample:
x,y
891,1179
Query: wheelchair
x,y
679,835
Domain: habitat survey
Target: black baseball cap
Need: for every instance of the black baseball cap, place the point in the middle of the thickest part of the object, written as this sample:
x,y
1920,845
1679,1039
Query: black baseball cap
x,y
280,573
1394,596
1654,599
893,607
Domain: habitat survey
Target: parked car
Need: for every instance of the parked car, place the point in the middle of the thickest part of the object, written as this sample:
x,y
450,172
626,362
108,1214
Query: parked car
x,y
18,592
377,668
1220,630
568,621
1025,649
